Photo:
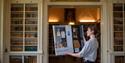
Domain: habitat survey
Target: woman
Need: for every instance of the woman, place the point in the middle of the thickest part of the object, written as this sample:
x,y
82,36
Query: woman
x,y
89,51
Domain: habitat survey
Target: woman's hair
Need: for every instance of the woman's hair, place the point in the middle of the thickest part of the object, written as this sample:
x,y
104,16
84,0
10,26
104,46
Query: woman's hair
x,y
93,28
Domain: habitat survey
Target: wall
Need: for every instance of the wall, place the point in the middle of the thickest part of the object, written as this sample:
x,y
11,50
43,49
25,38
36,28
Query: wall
x,y
56,14
0,33
1,27
87,13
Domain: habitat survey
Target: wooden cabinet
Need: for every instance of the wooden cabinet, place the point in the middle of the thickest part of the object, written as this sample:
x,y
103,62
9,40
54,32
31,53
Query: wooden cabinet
x,y
22,39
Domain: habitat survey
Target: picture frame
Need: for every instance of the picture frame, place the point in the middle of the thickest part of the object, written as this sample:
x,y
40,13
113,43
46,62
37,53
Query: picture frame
x,y
62,39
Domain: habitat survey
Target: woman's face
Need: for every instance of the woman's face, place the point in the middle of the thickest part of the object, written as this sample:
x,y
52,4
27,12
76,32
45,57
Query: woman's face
x,y
89,32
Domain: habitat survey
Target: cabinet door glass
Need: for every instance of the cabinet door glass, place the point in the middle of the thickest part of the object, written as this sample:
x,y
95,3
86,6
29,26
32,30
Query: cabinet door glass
x,y
117,7
16,42
22,59
119,59
15,59
23,31
118,26
30,59
31,14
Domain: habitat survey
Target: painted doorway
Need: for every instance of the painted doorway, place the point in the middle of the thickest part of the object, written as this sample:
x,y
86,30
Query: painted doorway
x,y
84,16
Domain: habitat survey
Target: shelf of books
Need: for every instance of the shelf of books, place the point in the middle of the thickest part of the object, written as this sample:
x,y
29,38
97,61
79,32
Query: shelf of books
x,y
77,35
31,18
23,32
23,59
119,29
51,42
119,59
118,18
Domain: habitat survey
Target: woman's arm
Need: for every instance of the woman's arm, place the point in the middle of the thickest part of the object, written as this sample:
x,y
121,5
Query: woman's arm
x,y
74,54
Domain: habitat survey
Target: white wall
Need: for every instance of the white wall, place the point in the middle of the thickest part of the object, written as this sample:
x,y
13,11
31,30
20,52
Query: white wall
x,y
0,33
1,27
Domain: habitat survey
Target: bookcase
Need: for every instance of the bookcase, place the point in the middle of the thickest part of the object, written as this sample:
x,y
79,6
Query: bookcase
x,y
23,33
119,32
